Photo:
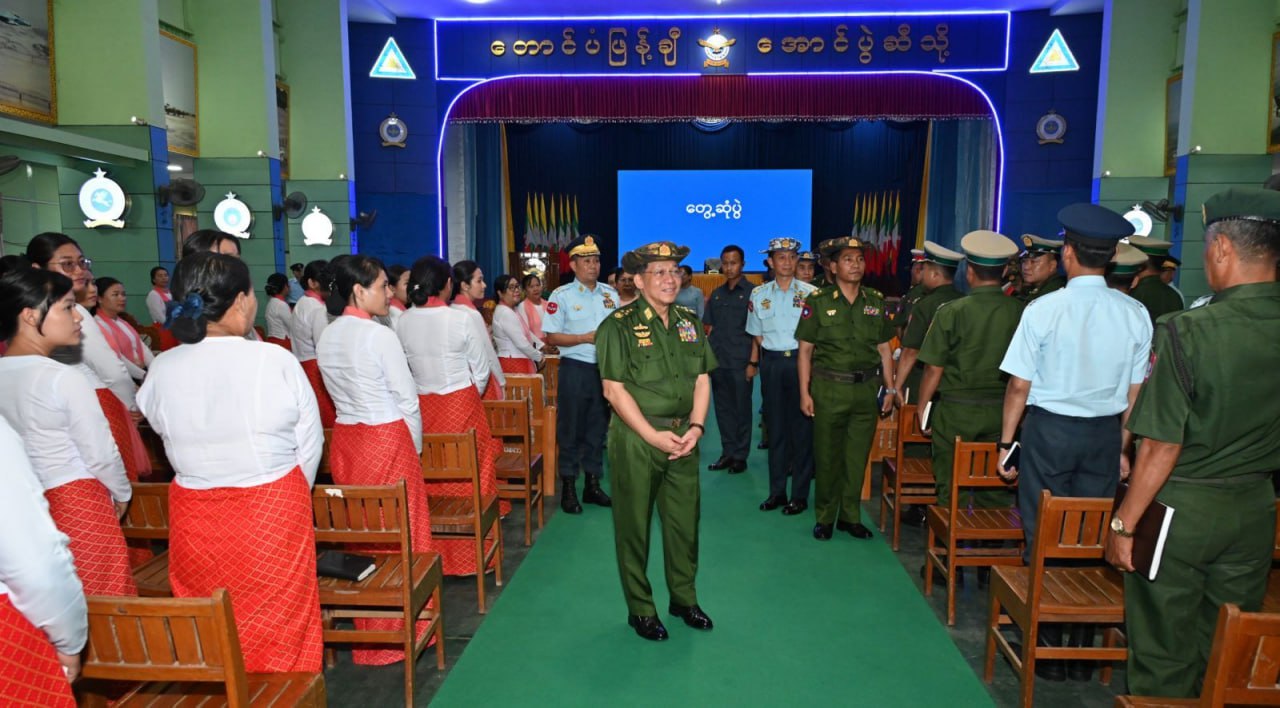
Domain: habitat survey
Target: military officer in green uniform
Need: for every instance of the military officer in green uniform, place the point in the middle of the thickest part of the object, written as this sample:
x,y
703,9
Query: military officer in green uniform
x,y
913,294
1040,273
1210,443
938,279
962,353
1125,266
654,361
1156,295
844,357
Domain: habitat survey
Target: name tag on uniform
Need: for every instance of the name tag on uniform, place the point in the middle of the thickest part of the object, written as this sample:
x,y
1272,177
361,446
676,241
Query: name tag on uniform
x,y
688,333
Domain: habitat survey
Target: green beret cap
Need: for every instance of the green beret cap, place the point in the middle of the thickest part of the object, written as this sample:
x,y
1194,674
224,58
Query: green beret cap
x,y
1243,204
635,261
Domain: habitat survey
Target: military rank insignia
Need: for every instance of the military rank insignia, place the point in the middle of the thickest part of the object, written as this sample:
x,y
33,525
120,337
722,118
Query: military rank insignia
x,y
688,333
643,335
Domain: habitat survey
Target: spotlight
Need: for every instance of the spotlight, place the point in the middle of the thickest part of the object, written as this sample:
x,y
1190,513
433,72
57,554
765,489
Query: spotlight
x,y
1106,173
261,153
175,168
136,120
342,175
1195,149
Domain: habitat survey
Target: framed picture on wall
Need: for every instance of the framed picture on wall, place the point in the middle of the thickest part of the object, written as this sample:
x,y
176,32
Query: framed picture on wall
x,y
282,125
1172,108
1273,100
181,102
27,88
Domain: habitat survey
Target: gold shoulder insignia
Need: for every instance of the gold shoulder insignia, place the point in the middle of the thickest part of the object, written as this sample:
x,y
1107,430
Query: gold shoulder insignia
x,y
619,315
875,292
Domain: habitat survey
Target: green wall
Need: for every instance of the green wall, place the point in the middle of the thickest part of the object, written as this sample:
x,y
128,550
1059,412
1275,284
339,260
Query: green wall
x,y
28,204
107,59
236,77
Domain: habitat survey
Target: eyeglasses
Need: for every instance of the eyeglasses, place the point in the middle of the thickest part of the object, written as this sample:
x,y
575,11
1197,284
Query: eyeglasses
x,y
513,286
673,273
68,265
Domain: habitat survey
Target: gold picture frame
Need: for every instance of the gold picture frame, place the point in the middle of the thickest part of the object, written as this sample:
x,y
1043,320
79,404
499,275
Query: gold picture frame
x,y
1172,120
1273,112
28,82
180,80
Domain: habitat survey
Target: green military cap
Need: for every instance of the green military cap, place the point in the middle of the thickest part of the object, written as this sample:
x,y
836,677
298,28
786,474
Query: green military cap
x,y
1128,260
635,261
782,244
1242,204
1035,244
584,245
808,256
933,253
987,248
823,246
833,246
1150,246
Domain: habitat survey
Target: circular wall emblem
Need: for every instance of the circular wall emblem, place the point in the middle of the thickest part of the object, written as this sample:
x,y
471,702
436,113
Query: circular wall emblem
x,y
317,229
1140,219
1051,128
233,216
393,131
102,201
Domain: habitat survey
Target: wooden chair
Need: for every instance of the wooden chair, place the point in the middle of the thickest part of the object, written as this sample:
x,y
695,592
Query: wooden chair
x,y
974,467
148,519
451,457
1074,529
883,445
188,652
906,480
150,336
520,467
379,515
551,373
1271,601
542,421
1242,665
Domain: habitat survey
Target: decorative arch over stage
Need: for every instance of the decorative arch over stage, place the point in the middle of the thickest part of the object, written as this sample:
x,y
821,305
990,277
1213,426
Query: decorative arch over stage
x,y
830,99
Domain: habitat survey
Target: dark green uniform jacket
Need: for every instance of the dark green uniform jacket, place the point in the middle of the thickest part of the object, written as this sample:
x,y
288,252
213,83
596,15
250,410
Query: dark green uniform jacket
x,y
1157,296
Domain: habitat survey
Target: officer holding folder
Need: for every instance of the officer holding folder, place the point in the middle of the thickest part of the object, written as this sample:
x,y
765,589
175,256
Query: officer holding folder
x,y
1210,444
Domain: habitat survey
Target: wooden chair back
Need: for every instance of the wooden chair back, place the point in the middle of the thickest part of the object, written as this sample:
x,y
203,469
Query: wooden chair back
x,y
1244,664
361,514
509,423
155,639
909,427
150,336
451,457
551,374
526,387
1069,528
975,465
148,514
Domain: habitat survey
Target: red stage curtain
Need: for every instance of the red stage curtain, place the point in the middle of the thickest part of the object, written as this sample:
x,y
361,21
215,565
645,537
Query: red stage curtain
x,y
682,98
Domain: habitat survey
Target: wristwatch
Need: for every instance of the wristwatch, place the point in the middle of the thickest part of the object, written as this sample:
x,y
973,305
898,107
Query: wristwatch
x,y
1118,527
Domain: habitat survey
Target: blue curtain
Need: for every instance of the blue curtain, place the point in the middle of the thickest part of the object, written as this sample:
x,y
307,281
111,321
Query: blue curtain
x,y
962,180
486,236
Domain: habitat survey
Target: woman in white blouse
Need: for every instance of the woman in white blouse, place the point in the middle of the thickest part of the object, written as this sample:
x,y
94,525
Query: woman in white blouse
x,y
120,335
519,351
43,620
377,438
158,296
54,409
398,279
61,254
279,317
309,320
468,290
240,425
446,349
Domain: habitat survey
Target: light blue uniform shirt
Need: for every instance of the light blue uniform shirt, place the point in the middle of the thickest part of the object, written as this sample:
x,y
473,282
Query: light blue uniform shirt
x,y
692,298
573,309
1081,348
773,314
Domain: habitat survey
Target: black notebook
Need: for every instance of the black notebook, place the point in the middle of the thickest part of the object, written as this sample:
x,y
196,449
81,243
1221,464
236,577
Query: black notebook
x,y
345,566
1149,535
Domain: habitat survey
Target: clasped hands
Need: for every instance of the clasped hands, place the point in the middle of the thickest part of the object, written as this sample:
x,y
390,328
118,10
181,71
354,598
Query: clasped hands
x,y
676,446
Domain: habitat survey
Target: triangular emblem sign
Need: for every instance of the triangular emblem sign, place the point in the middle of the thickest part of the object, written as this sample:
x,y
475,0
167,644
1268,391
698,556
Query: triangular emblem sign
x,y
391,63
1056,56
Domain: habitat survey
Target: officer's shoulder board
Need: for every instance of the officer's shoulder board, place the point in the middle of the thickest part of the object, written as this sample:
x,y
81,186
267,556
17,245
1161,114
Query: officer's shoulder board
x,y
685,309
759,288
606,288
626,310
873,292
567,287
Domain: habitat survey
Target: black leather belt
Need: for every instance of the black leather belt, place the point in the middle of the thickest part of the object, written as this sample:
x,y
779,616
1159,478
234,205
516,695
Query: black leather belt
x,y
666,421
971,400
846,376
770,354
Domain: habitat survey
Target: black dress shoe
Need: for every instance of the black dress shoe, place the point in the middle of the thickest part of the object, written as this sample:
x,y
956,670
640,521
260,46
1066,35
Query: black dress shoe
x,y
593,494
649,627
855,529
795,506
737,466
773,503
569,496
914,516
720,464
822,532
692,616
